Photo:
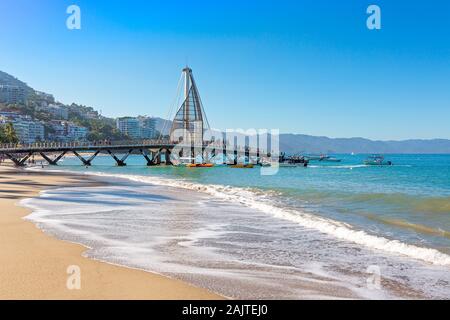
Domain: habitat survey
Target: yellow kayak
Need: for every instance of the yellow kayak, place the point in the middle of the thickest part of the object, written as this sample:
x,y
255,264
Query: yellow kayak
x,y
199,165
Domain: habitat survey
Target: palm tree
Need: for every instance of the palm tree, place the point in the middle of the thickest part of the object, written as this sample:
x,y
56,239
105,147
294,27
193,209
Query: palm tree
x,y
9,133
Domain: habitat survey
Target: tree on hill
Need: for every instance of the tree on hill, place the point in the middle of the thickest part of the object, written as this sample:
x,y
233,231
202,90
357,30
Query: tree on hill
x,y
8,134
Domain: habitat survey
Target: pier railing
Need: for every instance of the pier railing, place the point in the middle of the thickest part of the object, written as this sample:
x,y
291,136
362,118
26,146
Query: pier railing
x,y
150,149
81,144
25,147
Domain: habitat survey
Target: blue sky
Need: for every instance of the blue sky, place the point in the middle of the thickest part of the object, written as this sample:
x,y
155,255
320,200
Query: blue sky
x,y
300,66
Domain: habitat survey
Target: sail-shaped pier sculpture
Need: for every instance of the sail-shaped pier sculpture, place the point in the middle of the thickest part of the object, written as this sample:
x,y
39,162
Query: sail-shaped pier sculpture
x,y
190,122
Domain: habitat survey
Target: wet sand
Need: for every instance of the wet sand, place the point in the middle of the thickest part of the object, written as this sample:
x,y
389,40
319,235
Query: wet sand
x,y
33,265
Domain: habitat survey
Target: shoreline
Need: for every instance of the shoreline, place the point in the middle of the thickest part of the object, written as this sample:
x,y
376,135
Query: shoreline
x,y
125,188
34,264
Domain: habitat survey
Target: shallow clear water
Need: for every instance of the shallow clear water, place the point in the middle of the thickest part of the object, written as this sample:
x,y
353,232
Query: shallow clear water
x,y
315,226
410,200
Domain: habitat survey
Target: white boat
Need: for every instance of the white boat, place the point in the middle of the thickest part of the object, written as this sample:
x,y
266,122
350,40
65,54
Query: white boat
x,y
377,160
184,161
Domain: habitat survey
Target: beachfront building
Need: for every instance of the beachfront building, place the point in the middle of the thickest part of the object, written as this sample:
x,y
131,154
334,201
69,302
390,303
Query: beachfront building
x,y
9,116
12,94
129,126
67,131
75,132
147,126
28,131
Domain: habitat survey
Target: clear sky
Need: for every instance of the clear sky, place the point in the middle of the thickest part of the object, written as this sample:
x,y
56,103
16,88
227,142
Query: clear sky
x,y
308,67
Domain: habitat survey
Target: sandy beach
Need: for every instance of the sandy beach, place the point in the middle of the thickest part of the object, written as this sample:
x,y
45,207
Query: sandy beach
x,y
33,265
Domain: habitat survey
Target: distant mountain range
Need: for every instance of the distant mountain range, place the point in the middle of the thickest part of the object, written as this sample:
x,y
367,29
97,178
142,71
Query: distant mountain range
x,y
301,143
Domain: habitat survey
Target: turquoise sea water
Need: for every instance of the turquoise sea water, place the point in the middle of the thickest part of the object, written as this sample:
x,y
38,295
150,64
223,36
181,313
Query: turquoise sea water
x,y
409,201
300,233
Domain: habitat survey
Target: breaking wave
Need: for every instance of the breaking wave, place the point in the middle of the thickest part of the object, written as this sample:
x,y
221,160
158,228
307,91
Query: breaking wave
x,y
261,201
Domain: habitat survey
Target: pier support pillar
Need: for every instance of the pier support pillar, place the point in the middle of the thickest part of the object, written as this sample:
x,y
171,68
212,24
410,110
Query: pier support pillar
x,y
235,157
19,162
120,162
149,161
86,162
53,162
157,158
167,157
224,148
258,156
192,153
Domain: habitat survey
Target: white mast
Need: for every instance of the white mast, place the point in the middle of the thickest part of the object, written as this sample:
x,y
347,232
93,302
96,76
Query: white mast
x,y
187,86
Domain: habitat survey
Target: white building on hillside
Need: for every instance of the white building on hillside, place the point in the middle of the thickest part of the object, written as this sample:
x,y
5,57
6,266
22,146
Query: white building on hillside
x,y
59,112
129,126
67,131
12,94
28,131
75,132
147,127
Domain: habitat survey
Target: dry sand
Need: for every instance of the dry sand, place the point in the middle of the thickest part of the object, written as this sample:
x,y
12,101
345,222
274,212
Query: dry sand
x,y
34,265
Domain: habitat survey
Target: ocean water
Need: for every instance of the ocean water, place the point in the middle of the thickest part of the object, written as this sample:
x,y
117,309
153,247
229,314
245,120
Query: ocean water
x,y
309,232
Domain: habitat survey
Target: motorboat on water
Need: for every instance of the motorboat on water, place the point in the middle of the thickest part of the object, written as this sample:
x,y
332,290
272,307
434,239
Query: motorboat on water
x,y
292,161
377,160
314,157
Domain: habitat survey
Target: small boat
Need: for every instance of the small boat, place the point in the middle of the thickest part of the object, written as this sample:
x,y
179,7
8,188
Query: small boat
x,y
313,157
242,165
184,162
292,161
200,165
377,160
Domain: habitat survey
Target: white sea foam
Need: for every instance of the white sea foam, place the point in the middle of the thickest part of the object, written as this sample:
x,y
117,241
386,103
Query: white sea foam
x,y
339,230
260,201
